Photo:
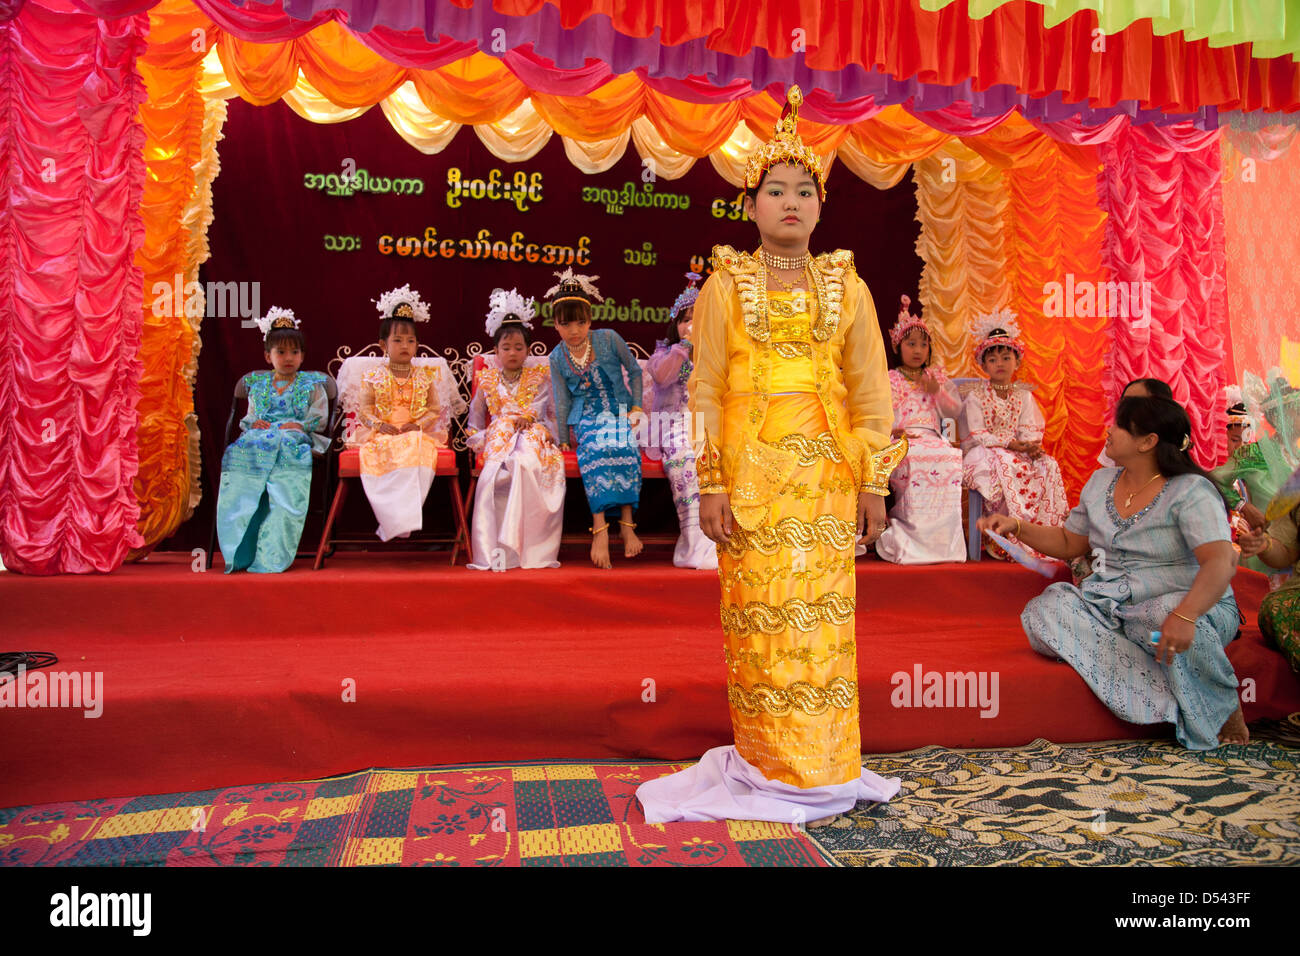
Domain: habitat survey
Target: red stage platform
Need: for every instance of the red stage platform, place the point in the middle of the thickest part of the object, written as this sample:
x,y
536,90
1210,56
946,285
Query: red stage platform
x,y
213,680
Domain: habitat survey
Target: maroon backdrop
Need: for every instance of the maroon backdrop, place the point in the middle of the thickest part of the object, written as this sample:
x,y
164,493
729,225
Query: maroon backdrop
x,y
275,222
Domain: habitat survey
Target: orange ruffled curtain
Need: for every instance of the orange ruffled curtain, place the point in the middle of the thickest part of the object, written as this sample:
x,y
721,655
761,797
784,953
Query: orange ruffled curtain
x,y
180,156
1053,230
1012,211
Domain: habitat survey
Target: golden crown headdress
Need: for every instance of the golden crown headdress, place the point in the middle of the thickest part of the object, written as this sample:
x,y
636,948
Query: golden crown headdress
x,y
785,146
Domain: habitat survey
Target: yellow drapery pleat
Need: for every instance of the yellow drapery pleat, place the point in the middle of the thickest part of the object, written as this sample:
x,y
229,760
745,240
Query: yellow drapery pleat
x,y
961,201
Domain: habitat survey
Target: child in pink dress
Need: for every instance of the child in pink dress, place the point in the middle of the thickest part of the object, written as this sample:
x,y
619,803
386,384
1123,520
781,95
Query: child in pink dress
x,y
925,523
1002,429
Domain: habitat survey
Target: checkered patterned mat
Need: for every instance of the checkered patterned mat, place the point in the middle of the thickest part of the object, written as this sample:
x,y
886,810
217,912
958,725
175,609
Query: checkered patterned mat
x,y
515,815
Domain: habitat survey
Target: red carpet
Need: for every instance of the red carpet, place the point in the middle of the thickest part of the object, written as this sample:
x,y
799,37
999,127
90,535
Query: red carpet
x,y
213,680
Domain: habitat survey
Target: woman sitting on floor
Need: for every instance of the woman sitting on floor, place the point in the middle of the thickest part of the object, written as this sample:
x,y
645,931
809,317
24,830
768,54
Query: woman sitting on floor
x,y
1148,627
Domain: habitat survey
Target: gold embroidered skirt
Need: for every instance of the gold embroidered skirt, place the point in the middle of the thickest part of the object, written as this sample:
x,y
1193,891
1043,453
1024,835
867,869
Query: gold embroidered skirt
x,y
788,596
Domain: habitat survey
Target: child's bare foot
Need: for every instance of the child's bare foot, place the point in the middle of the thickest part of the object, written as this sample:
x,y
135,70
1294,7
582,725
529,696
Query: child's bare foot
x,y
631,543
823,822
1234,731
600,547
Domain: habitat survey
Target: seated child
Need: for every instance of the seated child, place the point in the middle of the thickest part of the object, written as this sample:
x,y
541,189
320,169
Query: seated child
x,y
670,369
266,472
396,420
591,399
519,505
925,523
1238,420
1263,465
1002,428
1278,547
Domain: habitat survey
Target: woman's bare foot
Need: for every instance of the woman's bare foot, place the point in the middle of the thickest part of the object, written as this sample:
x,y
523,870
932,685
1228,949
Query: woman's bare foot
x,y
600,548
631,543
1234,731
823,822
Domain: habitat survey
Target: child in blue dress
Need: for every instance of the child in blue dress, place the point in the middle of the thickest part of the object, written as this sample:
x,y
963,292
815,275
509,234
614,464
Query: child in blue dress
x,y
266,472
604,413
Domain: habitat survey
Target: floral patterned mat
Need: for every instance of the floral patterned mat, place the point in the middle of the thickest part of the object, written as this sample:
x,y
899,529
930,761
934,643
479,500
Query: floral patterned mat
x,y
1113,804
1127,803
517,815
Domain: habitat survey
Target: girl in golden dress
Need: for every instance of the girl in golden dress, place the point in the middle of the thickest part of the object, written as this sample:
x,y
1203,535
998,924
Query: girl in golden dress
x,y
791,407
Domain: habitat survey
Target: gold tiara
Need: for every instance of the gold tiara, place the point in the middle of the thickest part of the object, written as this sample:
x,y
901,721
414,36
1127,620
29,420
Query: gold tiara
x,y
785,146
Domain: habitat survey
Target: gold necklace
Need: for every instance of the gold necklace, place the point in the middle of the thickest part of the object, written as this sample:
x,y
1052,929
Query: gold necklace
x,y
1128,502
911,374
786,286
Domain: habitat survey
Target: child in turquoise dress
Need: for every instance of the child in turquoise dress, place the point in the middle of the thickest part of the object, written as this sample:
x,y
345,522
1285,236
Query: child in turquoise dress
x,y
266,472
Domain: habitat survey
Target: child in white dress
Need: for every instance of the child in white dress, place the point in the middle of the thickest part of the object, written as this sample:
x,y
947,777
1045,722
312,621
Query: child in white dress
x,y
925,523
519,505
1002,434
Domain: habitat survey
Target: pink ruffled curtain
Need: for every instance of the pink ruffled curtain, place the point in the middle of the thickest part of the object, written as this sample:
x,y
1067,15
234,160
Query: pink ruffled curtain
x,y
71,178
1162,192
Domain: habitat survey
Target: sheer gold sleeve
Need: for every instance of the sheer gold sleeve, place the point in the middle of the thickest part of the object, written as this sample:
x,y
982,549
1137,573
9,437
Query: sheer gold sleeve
x,y
869,401
708,383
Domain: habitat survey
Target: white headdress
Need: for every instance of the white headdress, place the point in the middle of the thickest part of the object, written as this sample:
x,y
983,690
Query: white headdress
x,y
276,318
511,307
996,328
1235,403
403,303
573,286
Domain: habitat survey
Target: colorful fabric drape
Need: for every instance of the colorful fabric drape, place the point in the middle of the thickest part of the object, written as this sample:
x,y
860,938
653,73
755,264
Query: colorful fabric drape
x,y
1165,227
1024,205
1272,27
961,204
1262,282
1007,216
182,128
72,148
1006,59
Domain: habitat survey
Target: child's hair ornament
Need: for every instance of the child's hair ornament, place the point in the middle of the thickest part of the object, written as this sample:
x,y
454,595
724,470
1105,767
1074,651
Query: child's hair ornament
x,y
573,286
509,308
1236,406
403,303
996,328
688,296
906,323
276,318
